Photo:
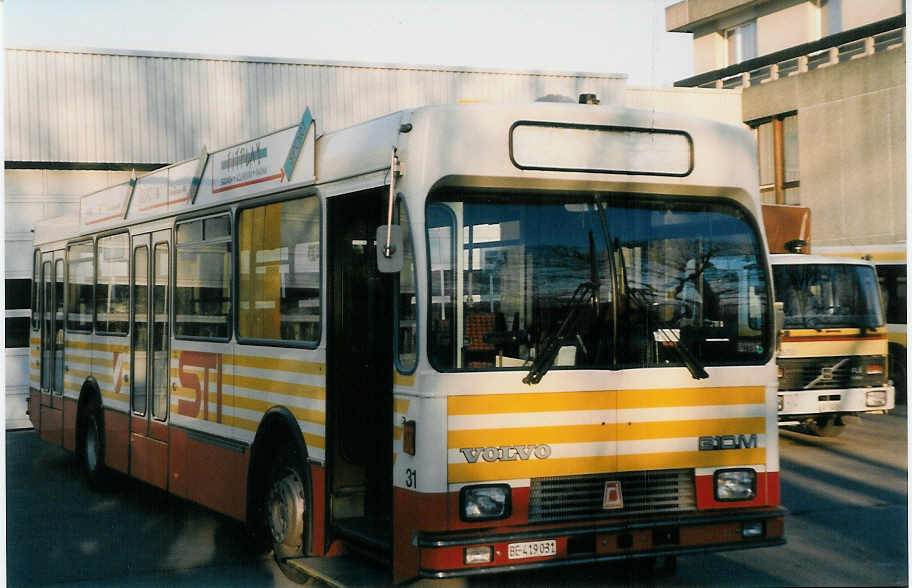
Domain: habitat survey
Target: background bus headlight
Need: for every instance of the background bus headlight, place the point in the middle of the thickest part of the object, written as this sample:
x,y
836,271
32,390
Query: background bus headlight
x,y
876,398
484,503
731,485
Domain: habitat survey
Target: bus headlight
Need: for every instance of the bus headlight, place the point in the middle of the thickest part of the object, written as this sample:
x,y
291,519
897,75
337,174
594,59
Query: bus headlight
x,y
485,503
876,398
737,484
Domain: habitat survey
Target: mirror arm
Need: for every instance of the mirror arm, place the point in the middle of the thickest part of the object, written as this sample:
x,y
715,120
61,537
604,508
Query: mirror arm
x,y
389,249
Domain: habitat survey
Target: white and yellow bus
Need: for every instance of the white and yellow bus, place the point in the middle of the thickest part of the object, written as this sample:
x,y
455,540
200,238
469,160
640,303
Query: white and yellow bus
x,y
833,356
462,339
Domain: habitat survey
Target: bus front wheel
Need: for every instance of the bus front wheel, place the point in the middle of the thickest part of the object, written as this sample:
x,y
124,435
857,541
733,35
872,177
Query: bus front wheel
x,y
828,426
287,513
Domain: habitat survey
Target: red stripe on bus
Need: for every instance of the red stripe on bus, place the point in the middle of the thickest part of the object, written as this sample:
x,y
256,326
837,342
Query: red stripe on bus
x,y
248,183
160,204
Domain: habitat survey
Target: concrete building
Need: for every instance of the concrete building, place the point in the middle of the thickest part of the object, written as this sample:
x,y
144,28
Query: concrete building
x,y
823,84
77,121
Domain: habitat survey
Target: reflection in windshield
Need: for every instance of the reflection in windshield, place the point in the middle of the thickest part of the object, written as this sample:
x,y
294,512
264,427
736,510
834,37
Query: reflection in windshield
x,y
672,275
828,295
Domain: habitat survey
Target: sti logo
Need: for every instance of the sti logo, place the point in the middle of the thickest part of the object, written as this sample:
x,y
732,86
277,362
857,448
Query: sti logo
x,y
713,443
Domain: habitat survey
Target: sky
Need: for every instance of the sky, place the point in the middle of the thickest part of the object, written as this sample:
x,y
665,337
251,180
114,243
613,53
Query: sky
x,y
596,36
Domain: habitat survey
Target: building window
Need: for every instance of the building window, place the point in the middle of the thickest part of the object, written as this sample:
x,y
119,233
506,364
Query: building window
x,y
17,312
202,295
741,42
830,17
777,157
279,271
112,292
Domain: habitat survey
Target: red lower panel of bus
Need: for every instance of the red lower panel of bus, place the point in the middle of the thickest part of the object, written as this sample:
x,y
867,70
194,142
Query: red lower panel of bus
x,y
35,409
149,460
117,441
318,508
214,475
445,555
414,511
52,425
69,424
767,492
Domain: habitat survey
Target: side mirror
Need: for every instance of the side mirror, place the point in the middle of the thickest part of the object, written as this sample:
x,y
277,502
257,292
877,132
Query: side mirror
x,y
389,256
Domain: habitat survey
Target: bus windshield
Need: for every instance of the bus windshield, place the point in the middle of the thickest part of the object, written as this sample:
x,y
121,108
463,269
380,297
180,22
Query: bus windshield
x,y
828,295
604,281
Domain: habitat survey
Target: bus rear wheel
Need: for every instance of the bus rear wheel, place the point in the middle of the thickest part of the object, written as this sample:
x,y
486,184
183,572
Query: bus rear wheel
x,y
287,514
92,449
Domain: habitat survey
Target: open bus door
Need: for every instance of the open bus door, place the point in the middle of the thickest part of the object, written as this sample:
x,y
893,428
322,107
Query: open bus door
x,y
150,358
360,361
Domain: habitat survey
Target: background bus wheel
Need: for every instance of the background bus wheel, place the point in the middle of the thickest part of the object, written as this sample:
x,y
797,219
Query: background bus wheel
x,y
898,372
825,426
287,514
92,449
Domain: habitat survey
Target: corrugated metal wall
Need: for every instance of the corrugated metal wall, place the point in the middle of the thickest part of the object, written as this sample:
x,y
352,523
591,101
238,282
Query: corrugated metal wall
x,y
127,107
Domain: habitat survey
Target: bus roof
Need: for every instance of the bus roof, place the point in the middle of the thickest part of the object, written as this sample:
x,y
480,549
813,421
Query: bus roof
x,y
567,146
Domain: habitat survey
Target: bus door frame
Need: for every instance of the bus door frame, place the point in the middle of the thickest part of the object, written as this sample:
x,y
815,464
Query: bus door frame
x,y
52,343
149,432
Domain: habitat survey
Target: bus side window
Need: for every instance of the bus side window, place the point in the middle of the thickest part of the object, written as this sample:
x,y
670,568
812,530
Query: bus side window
x,y
279,271
112,292
80,287
202,294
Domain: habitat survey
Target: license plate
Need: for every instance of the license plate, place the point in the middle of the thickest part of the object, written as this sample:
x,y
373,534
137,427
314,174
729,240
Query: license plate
x,y
532,549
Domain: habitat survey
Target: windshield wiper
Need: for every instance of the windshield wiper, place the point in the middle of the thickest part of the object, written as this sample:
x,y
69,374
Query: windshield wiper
x,y
585,293
551,344
692,364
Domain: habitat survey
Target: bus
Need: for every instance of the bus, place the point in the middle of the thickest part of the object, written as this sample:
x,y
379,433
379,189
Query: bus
x,y
456,339
890,263
833,358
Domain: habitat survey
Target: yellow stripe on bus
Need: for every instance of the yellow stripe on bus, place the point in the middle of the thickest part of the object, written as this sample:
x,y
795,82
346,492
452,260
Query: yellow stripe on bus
x,y
481,471
401,405
82,373
277,387
229,400
271,363
98,346
402,380
248,425
302,414
603,400
607,432
691,397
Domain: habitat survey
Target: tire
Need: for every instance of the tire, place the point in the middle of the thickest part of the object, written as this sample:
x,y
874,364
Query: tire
x,y
286,509
898,372
92,452
825,426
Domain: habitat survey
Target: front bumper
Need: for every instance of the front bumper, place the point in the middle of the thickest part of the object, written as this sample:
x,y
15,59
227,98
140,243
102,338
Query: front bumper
x,y
442,555
796,403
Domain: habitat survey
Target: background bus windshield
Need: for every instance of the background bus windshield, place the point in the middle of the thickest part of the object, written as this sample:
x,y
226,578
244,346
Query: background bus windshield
x,y
828,295
626,280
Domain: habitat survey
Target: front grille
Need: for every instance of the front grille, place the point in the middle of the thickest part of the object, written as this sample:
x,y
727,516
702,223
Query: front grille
x,y
568,498
829,373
